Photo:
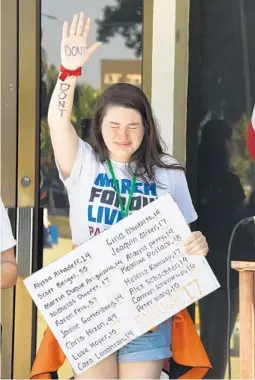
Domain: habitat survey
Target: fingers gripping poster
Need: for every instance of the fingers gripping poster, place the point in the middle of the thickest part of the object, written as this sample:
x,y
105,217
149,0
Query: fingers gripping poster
x,y
120,284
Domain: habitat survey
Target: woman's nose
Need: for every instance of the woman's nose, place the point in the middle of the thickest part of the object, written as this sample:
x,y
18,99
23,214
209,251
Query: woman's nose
x,y
123,133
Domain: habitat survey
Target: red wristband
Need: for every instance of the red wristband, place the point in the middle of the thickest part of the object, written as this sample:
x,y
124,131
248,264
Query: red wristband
x,y
68,73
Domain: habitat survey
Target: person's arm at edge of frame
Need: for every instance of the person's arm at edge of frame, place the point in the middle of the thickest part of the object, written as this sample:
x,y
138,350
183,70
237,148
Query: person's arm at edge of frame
x,y
8,268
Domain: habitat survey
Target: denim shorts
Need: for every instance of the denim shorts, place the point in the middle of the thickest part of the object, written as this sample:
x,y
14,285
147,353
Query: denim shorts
x,y
154,345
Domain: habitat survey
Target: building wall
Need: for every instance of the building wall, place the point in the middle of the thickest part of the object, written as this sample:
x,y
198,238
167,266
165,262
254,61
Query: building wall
x,y
169,72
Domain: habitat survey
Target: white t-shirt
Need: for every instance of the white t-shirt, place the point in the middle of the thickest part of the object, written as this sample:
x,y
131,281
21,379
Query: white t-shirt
x,y
7,240
94,204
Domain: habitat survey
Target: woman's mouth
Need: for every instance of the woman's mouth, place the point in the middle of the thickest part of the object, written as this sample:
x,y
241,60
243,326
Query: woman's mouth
x,y
123,145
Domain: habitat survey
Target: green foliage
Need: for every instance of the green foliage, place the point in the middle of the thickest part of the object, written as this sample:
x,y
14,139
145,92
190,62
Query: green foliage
x,y
85,100
242,162
125,18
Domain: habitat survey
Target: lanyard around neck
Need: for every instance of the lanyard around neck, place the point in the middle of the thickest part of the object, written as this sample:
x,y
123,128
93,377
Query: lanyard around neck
x,y
124,210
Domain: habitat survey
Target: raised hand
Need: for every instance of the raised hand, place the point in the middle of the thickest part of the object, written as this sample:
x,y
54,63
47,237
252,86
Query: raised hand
x,y
74,45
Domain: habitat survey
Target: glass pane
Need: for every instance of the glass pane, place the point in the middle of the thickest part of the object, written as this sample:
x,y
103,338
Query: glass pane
x,y
119,60
222,95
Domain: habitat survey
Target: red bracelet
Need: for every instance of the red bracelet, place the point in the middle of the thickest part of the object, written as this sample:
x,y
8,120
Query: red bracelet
x,y
68,73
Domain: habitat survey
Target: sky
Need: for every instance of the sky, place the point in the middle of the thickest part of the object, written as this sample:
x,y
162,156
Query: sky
x,y
52,31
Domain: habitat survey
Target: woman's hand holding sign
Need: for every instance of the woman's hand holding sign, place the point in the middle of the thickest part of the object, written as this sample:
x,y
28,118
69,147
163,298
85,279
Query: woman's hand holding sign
x,y
196,244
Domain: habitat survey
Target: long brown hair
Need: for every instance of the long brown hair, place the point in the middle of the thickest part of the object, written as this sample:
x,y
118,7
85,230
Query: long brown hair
x,y
150,153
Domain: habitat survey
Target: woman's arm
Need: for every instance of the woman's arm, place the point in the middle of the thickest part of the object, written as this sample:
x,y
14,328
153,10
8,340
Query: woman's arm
x,y
74,53
63,135
8,269
7,257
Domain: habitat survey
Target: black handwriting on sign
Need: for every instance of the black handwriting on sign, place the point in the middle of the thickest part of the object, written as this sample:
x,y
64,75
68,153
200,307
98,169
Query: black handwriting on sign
x,y
64,87
74,50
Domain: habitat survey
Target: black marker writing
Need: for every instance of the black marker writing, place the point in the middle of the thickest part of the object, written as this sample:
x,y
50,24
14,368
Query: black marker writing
x,y
64,87
74,50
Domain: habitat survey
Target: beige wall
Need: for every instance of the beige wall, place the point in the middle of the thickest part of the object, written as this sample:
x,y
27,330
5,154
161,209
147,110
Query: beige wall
x,y
121,70
181,79
170,72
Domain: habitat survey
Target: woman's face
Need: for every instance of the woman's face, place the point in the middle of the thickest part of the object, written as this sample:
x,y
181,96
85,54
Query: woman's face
x,y
122,131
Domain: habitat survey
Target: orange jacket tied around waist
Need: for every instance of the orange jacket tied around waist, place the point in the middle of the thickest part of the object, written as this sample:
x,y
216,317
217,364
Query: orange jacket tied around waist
x,y
189,359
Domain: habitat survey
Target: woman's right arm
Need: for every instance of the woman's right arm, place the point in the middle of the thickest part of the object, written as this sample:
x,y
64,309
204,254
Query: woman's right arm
x,y
63,135
74,54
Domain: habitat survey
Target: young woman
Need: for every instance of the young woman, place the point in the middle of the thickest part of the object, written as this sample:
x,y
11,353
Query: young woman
x,y
119,172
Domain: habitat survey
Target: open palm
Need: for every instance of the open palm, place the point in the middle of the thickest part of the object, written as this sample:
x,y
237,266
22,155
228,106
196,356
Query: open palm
x,y
74,45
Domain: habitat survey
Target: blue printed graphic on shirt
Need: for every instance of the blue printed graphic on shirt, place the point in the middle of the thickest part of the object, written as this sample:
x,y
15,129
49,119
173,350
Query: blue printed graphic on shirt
x,y
104,208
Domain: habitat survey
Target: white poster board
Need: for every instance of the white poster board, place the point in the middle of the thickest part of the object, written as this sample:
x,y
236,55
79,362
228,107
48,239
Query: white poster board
x,y
120,284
